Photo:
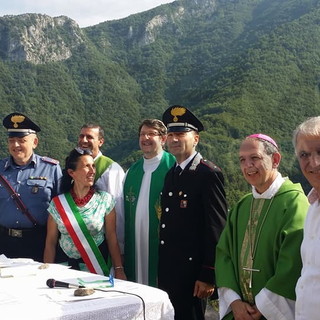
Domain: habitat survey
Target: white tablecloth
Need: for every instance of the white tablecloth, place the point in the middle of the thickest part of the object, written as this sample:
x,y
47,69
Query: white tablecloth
x,y
26,296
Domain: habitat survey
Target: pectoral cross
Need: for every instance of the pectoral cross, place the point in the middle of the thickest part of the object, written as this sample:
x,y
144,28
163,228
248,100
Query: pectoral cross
x,y
250,270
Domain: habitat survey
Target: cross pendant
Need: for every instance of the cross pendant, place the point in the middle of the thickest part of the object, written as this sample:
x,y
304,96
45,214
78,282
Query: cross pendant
x,y
251,270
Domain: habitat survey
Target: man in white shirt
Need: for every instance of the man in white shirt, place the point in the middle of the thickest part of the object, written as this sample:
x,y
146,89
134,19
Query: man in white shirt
x,y
306,140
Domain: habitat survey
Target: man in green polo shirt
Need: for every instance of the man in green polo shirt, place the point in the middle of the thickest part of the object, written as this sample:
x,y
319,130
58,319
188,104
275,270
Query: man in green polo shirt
x,y
142,187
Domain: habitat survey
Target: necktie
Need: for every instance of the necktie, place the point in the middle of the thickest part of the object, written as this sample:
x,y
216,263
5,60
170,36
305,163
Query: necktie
x,y
177,172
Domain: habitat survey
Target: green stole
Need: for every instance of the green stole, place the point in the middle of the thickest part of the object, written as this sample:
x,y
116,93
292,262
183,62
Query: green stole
x,y
102,163
251,238
131,194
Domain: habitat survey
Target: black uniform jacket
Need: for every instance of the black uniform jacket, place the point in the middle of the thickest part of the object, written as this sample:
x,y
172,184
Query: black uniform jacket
x,y
193,215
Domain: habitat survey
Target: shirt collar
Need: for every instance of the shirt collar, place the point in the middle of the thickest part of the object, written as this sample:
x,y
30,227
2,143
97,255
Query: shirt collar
x,y
98,155
10,162
313,196
184,163
156,158
272,190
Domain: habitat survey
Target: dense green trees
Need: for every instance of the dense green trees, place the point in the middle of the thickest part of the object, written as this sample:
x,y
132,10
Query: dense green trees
x,y
242,66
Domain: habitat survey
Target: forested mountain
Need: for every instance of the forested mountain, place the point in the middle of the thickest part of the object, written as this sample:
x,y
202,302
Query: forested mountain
x,y
242,66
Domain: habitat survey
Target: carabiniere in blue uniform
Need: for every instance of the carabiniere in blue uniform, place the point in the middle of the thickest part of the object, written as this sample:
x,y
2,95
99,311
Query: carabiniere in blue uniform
x,y
35,180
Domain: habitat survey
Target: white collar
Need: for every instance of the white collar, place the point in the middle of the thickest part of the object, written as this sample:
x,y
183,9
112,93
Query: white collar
x,y
98,155
272,190
150,161
313,196
184,163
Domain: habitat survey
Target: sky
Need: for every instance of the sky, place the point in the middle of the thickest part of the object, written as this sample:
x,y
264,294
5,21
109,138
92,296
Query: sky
x,y
84,12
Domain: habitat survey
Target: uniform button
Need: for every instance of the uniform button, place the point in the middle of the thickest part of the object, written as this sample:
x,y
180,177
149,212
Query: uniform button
x,y
19,181
161,242
190,258
161,193
170,194
167,209
185,195
163,226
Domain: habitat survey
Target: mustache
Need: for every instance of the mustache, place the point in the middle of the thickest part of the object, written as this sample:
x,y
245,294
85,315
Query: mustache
x,y
315,170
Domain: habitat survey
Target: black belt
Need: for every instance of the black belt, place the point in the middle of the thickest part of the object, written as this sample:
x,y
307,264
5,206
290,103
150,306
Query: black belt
x,y
20,233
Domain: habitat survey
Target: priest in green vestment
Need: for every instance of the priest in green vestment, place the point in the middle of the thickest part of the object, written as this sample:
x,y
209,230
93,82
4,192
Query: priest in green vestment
x,y
258,255
142,187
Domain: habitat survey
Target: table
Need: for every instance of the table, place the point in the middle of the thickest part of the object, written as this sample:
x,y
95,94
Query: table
x,y
26,296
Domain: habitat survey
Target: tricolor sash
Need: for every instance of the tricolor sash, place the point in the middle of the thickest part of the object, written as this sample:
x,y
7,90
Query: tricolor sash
x,y
80,235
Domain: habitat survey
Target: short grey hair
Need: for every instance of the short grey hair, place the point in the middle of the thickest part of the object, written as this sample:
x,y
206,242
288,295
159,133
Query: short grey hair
x,y
310,127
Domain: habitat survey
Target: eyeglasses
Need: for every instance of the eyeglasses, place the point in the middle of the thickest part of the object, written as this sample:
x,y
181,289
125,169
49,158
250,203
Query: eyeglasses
x,y
149,134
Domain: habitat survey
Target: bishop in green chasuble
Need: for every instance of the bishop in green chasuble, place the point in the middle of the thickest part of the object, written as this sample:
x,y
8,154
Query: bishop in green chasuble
x,y
260,246
258,255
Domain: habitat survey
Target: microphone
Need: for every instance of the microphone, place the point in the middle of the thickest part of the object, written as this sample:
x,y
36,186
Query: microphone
x,y
51,283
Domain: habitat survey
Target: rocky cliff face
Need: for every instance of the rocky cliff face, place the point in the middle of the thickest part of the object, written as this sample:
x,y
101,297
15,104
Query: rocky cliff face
x,y
180,9
38,38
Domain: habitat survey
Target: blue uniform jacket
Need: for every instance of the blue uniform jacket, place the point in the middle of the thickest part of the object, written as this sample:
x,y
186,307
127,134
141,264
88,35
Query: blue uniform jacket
x,y
37,183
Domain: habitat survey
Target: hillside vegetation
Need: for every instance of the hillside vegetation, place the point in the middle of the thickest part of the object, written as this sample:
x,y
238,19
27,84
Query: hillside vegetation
x,y
243,66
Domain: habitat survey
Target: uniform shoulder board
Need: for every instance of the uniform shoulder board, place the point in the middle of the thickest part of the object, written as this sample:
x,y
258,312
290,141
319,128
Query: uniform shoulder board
x,y
210,164
50,160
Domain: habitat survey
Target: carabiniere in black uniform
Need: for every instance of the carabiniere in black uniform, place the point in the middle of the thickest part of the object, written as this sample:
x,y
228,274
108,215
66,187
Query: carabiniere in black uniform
x,y
193,216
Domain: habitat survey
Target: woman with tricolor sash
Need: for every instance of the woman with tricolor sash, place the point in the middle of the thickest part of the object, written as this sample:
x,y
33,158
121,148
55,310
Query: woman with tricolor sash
x,y
84,218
